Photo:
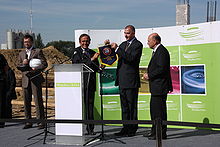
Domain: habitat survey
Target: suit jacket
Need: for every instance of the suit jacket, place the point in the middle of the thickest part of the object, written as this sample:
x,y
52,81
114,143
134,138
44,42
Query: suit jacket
x,y
159,72
3,63
27,74
10,85
127,73
79,57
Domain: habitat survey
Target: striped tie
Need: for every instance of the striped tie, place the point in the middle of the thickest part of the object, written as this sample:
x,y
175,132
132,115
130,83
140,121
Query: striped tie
x,y
127,45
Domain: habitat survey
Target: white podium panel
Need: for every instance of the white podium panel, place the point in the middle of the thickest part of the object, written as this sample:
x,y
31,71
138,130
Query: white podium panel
x,y
69,102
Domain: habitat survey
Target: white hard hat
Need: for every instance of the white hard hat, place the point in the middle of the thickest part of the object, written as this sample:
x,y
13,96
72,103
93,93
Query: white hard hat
x,y
34,63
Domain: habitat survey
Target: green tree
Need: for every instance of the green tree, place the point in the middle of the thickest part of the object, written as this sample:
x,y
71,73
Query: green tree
x,y
65,47
39,42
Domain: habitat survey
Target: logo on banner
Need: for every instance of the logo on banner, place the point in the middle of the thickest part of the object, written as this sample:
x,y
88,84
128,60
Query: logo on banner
x,y
67,84
107,55
192,34
107,51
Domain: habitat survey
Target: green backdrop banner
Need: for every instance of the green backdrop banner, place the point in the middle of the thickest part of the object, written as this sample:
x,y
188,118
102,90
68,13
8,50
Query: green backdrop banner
x,y
194,51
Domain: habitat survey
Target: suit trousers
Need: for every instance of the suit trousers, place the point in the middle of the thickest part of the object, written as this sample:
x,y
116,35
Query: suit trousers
x,y
129,99
34,88
2,101
8,108
158,109
89,96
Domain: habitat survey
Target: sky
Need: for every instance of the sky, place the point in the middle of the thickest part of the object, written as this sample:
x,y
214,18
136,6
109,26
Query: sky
x,y
57,19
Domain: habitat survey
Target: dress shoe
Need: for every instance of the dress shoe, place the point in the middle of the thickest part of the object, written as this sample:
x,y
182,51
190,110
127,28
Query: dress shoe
x,y
90,133
154,137
164,136
2,124
131,134
149,134
27,126
41,126
123,132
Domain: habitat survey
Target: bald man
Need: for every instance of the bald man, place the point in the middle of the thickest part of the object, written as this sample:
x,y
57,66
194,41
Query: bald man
x,y
158,74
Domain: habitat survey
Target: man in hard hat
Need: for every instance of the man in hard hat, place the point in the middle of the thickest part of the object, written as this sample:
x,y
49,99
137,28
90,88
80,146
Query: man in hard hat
x,y
32,79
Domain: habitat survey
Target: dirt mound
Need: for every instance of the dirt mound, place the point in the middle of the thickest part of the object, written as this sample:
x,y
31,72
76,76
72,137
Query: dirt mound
x,y
52,55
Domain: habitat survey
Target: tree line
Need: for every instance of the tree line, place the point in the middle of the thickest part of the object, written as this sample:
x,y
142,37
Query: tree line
x,y
65,47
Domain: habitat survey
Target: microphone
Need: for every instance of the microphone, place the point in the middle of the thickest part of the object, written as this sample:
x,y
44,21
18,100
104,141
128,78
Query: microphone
x,y
74,53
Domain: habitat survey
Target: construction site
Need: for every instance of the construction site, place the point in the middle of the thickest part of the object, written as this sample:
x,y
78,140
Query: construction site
x,y
53,56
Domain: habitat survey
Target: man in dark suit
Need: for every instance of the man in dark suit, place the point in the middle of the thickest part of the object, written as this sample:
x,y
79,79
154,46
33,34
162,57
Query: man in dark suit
x,y
158,74
3,64
83,54
32,79
10,86
128,79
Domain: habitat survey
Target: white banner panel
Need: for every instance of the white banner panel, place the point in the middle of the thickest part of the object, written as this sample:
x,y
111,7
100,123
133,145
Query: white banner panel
x,y
142,35
99,36
171,36
215,28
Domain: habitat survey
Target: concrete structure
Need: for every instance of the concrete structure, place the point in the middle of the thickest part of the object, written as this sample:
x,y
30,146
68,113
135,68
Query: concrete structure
x,y
211,11
182,12
4,46
10,39
15,38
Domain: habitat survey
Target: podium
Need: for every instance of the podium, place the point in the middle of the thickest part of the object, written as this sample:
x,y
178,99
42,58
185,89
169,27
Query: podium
x,y
69,102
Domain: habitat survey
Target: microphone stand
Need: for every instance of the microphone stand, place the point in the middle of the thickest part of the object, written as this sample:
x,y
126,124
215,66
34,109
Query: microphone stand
x,y
45,132
100,137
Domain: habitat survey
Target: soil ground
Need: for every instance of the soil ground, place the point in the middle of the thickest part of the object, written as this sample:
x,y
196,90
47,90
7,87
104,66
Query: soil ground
x,y
18,105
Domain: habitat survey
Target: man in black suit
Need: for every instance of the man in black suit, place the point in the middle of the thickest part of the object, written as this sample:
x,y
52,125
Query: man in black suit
x,y
128,79
3,64
158,74
83,54
10,86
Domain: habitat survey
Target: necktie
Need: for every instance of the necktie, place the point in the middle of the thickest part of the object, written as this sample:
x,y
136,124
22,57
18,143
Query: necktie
x,y
153,53
87,52
127,45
